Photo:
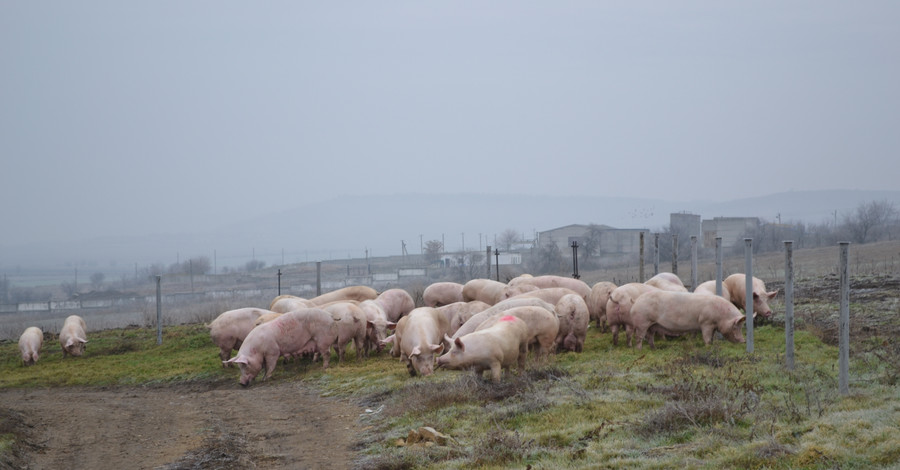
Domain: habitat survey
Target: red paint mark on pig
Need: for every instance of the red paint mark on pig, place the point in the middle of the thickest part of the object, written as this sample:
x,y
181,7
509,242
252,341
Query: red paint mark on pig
x,y
508,318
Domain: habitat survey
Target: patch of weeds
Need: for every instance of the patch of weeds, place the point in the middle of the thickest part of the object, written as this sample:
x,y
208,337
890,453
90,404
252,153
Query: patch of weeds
x,y
698,401
501,447
405,458
888,354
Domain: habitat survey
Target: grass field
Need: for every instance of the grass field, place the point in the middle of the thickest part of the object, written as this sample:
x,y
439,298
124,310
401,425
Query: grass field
x,y
681,405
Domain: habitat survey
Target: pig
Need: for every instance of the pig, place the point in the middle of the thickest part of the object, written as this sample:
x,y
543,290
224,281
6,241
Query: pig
x,y
618,308
677,313
350,324
572,312
709,288
309,330
357,293
548,281
737,287
286,303
394,339
421,337
488,291
266,317
442,293
458,313
230,328
512,291
550,295
72,336
377,325
396,303
543,326
495,348
472,323
667,281
596,302
30,345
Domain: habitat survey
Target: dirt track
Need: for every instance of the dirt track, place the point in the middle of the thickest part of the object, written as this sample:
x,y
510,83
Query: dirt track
x,y
184,426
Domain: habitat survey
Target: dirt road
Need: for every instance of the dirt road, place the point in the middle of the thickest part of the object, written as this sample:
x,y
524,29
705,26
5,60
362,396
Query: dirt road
x,y
184,426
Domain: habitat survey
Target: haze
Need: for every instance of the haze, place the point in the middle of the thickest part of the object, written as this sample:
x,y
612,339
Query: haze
x,y
128,118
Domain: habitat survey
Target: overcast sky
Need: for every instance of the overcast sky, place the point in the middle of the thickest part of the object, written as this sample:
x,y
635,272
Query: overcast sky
x,y
170,116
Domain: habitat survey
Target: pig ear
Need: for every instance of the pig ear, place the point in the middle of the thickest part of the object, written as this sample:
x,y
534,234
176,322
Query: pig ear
x,y
415,351
389,339
772,294
391,325
236,360
370,324
739,321
459,344
447,338
437,348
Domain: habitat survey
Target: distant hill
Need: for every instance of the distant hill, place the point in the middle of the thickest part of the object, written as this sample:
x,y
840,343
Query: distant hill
x,y
347,226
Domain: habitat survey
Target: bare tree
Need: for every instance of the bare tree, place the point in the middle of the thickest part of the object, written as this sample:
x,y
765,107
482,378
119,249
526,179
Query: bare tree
x,y
97,280
433,250
507,238
69,288
864,224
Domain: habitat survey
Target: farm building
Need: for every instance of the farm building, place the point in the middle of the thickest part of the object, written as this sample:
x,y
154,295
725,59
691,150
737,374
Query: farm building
x,y
685,225
617,241
731,229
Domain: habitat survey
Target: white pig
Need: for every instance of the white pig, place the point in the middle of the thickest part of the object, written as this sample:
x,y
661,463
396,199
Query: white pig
x,y
737,287
421,337
72,336
30,345
495,348
304,331
677,313
230,328
442,293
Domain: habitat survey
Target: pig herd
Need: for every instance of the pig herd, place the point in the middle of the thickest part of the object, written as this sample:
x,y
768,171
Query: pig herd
x,y
72,339
482,325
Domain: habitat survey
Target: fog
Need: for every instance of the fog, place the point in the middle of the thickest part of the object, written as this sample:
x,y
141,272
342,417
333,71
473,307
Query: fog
x,y
123,119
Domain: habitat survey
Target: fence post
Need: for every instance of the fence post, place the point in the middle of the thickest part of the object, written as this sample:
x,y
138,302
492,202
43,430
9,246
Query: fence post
x,y
318,278
719,266
279,281
674,253
748,290
641,268
158,311
655,254
789,304
693,262
488,258
844,326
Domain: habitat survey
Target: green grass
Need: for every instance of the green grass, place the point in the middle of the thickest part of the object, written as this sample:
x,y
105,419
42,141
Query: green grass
x,y
683,404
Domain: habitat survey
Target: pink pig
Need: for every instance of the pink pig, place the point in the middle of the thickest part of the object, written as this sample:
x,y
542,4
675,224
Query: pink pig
x,y
30,345
495,348
677,313
737,286
72,337
442,293
230,328
304,331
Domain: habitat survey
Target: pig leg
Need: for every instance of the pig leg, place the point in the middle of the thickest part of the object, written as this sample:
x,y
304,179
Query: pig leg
x,y
271,360
496,370
225,355
614,329
707,332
